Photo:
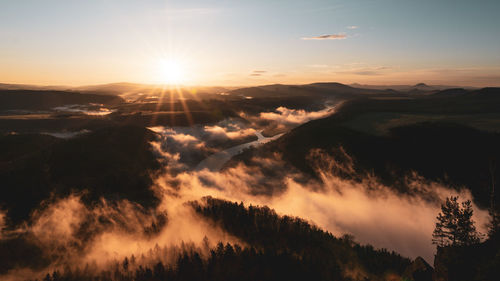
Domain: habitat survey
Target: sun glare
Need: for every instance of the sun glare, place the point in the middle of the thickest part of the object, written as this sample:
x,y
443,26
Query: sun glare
x,y
171,71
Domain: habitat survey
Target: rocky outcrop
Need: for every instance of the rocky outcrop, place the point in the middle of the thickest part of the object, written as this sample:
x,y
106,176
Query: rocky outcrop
x,y
418,270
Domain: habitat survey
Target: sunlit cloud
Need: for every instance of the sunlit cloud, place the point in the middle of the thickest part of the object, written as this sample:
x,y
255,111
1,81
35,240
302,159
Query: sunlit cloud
x,y
367,72
339,36
257,73
72,233
352,27
293,116
66,134
373,212
91,109
2,222
225,133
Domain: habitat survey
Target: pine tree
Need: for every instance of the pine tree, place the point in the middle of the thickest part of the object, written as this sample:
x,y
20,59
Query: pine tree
x,y
494,225
454,224
467,233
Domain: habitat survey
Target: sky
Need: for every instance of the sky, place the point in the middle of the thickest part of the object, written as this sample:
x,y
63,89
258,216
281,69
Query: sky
x,y
236,43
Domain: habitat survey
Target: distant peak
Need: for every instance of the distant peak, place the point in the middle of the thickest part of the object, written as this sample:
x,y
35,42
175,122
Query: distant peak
x,y
421,85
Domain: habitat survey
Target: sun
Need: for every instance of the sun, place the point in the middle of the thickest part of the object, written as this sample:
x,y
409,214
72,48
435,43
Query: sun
x,y
171,71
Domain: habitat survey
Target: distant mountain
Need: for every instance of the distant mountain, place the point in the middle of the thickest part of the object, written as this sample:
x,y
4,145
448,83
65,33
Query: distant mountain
x,y
421,85
451,92
120,88
338,87
115,88
124,88
47,99
406,88
491,92
4,86
325,89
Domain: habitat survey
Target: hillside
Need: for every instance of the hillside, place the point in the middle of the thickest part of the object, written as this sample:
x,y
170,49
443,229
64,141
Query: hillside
x,y
281,248
45,100
113,163
393,138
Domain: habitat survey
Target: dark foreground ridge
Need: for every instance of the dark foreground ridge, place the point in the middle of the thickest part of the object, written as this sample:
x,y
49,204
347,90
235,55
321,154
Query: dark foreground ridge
x,y
279,248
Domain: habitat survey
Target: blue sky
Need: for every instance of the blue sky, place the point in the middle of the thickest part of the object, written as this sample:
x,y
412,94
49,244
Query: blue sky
x,y
219,42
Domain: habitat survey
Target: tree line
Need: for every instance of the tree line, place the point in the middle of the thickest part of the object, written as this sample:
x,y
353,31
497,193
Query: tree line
x,y
276,248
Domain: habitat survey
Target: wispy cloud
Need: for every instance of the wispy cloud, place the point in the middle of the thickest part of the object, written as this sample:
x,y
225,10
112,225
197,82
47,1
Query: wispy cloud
x,y
258,72
339,36
370,71
352,27
367,73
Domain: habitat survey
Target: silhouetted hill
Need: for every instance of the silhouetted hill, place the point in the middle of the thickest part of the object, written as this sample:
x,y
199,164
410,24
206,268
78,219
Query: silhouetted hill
x,y
315,90
44,100
423,87
278,248
491,93
456,154
131,89
420,85
406,88
113,163
6,86
338,88
323,253
451,92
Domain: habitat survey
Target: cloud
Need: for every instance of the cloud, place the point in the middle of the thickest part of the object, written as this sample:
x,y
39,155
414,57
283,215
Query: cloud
x,y
180,148
183,148
219,132
184,139
339,36
293,116
2,222
257,73
352,27
367,73
177,137
361,69
70,232
374,213
66,134
92,109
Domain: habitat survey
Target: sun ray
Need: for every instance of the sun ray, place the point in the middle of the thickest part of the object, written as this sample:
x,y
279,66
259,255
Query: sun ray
x,y
172,109
159,102
185,106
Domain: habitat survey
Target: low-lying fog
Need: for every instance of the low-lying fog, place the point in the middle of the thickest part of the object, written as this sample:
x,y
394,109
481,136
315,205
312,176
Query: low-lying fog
x,y
372,212
87,109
